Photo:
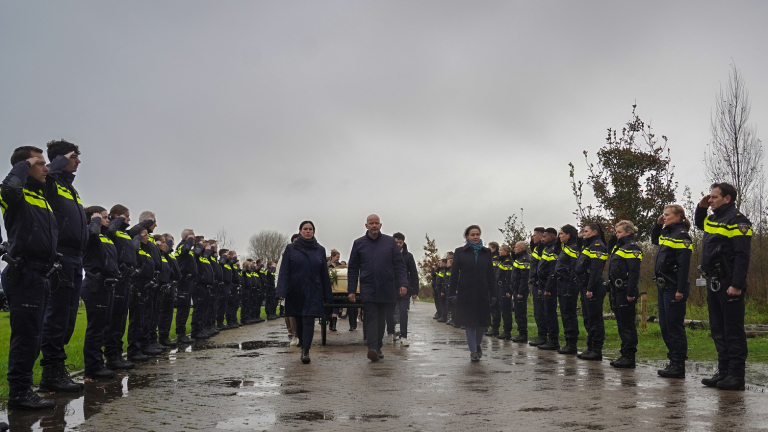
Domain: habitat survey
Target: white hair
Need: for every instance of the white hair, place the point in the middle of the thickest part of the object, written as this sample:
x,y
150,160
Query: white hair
x,y
185,233
146,214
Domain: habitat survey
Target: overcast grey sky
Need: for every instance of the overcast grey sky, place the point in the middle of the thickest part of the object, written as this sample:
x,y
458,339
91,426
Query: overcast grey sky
x,y
435,115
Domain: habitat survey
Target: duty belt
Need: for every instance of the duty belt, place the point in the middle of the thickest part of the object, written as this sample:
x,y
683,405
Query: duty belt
x,y
713,277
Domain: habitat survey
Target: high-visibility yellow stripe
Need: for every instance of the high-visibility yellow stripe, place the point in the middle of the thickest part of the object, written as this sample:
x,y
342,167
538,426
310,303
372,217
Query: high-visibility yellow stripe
x,y
570,252
674,243
204,260
141,252
3,205
535,255
172,257
727,230
547,256
227,266
592,254
448,274
521,265
628,253
503,266
123,235
163,259
36,200
104,239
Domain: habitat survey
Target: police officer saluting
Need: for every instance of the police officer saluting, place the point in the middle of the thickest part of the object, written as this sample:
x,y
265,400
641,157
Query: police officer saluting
x,y
623,274
32,234
725,254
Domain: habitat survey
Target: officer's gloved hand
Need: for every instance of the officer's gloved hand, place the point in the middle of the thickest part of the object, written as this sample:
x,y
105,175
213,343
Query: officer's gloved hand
x,y
4,248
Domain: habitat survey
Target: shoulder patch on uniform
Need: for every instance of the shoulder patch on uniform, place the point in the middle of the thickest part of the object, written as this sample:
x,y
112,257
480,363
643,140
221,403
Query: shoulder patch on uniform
x,y
636,253
682,232
743,228
597,243
687,242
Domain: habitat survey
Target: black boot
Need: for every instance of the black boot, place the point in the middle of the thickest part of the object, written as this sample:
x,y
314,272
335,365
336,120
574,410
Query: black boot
x,y
168,342
437,315
550,346
492,332
116,362
520,338
184,339
538,341
731,383
716,378
627,361
102,373
596,354
28,400
569,348
589,349
675,369
504,335
56,379
332,327
305,355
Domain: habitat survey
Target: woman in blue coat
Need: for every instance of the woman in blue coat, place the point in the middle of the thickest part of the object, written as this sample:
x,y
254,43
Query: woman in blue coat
x,y
304,284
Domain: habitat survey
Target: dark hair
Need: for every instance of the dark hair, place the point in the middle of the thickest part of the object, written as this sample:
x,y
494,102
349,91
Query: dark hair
x,y
726,189
470,228
259,261
91,210
444,260
117,210
301,225
199,239
294,237
570,230
23,153
596,227
551,231
399,236
493,245
223,251
539,230
61,147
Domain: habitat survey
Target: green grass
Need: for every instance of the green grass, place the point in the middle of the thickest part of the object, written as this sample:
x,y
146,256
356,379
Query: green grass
x,y
74,349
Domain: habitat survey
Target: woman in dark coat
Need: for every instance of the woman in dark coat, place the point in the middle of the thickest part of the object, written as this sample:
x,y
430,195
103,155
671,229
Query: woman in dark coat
x,y
304,284
473,289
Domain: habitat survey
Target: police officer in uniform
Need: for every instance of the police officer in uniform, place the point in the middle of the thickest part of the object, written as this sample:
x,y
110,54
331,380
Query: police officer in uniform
x,y
187,260
204,284
496,307
144,281
673,260
567,287
539,314
440,290
32,236
61,311
101,273
589,272
271,301
547,283
234,292
623,275
226,275
213,295
725,255
168,289
521,268
503,280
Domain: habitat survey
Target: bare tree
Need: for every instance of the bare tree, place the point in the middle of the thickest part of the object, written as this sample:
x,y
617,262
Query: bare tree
x,y
267,245
224,240
735,154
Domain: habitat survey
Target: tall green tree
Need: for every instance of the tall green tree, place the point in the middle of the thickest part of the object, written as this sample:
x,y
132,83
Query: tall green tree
x,y
514,230
632,178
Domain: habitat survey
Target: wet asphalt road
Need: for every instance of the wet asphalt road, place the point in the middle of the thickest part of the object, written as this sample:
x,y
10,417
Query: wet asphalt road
x,y
250,380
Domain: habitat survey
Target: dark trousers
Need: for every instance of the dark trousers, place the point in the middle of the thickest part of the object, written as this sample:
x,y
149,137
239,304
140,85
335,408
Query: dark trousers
x,y
550,311
436,298
520,307
245,309
166,314
390,318
374,317
726,324
271,301
234,303
98,309
403,303
305,331
199,300
446,305
585,314
113,344
136,319
568,299
596,325
183,304
352,317
149,332
496,313
505,307
210,307
539,312
216,303
61,311
27,302
671,317
626,321
223,302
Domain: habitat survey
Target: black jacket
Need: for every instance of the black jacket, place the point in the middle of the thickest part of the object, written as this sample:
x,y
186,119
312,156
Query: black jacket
x,y
726,244
565,269
589,268
186,257
474,285
624,265
67,207
29,219
170,258
521,268
204,269
237,280
218,274
504,274
546,267
226,270
125,245
145,264
100,254
412,271
379,266
673,258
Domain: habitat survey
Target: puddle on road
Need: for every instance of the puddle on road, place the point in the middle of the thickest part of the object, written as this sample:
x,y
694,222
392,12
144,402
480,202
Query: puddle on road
x,y
74,409
268,420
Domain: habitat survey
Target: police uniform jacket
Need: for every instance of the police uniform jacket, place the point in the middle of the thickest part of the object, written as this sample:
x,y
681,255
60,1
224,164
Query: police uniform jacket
x,y
29,220
146,265
187,258
725,247
236,278
125,245
226,270
67,207
565,269
218,274
170,258
673,258
504,274
589,268
100,253
521,269
535,256
624,265
546,267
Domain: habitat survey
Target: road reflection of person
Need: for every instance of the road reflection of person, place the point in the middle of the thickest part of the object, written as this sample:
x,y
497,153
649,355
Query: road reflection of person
x,y
473,290
304,284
